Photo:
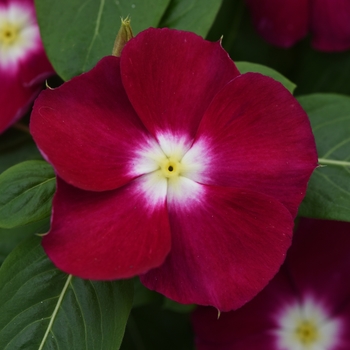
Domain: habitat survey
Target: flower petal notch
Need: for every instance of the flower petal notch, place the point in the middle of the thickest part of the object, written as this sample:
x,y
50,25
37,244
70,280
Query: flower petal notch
x,y
305,306
283,23
23,62
173,163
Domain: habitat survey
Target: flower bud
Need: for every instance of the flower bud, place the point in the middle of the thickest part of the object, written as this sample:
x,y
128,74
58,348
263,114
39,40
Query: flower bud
x,y
124,35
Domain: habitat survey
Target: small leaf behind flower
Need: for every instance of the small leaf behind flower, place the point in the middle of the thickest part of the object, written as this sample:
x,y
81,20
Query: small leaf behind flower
x,y
78,33
245,67
43,308
26,192
328,194
192,15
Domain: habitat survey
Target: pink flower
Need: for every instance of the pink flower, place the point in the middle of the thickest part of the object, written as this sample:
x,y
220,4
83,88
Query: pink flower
x,y
283,23
23,63
174,166
306,306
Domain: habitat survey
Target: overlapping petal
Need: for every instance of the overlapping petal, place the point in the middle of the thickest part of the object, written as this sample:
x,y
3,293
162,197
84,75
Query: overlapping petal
x,y
316,269
281,23
95,127
226,245
319,261
108,235
23,63
244,326
15,98
35,69
255,135
171,85
330,25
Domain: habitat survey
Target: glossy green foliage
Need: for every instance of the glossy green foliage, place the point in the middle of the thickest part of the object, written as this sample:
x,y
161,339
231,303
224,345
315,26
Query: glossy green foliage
x,y
43,308
26,192
78,33
328,194
245,67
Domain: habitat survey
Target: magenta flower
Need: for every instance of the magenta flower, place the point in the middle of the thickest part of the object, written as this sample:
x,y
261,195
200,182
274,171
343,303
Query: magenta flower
x,y
174,166
283,23
23,63
305,307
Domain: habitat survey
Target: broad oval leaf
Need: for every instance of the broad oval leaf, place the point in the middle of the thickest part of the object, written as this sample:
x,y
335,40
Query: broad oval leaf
x,y
192,15
78,33
43,308
26,192
328,193
245,67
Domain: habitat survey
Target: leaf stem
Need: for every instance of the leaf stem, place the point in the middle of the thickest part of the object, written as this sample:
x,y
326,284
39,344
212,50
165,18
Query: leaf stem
x,y
55,311
324,161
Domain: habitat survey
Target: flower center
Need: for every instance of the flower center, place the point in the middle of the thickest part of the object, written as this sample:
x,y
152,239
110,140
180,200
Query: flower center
x,y
9,34
307,325
171,167
307,332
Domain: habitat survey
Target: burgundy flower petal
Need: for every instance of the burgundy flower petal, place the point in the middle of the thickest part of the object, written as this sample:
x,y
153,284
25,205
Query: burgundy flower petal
x,y
23,63
255,135
88,130
226,245
107,235
281,23
319,260
248,325
15,99
35,69
171,77
330,25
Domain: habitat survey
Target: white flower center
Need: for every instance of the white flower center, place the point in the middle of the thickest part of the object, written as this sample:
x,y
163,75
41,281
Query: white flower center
x,y
307,326
169,166
19,34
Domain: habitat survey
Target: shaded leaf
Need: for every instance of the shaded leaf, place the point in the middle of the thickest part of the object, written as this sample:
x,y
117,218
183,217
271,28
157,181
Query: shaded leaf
x,y
78,33
43,308
152,328
328,194
192,15
16,146
10,238
26,192
245,67
172,305
143,295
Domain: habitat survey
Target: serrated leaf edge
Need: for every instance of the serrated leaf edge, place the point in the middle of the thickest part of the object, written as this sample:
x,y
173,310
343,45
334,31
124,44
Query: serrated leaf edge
x,y
55,311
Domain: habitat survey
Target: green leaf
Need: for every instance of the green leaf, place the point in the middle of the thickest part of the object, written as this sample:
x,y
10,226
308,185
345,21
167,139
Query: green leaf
x,y
78,33
26,191
192,15
245,67
16,146
43,308
143,295
172,305
152,328
328,193
10,238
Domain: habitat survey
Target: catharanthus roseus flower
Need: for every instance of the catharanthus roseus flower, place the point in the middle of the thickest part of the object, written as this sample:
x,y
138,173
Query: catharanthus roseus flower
x,y
23,63
283,23
174,166
305,307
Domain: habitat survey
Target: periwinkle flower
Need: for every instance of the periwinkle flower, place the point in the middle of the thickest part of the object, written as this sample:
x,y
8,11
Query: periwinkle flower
x,y
173,166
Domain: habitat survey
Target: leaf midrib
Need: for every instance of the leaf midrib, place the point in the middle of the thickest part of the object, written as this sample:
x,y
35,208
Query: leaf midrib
x,y
27,190
55,311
